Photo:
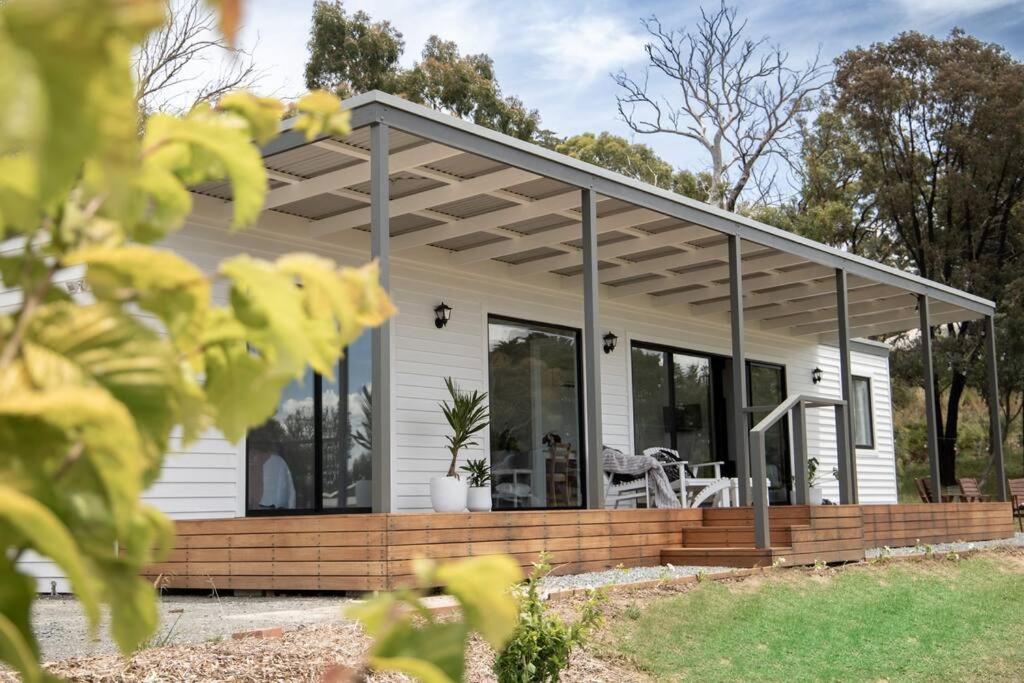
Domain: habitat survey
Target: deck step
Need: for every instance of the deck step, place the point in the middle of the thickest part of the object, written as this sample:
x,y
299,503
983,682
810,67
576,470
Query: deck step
x,y
736,536
724,556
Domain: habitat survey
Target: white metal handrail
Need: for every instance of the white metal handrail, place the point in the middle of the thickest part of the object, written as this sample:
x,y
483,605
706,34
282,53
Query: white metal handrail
x,y
796,406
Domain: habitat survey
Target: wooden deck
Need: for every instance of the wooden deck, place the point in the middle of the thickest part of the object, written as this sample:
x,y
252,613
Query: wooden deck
x,y
375,551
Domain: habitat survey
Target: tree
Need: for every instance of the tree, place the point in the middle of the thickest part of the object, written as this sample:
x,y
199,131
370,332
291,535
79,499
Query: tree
x,y
637,161
931,158
173,64
350,54
738,99
89,394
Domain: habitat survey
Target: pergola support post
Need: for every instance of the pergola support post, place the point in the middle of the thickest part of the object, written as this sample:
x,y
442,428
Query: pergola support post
x,y
591,351
931,421
740,441
845,451
380,371
802,484
996,429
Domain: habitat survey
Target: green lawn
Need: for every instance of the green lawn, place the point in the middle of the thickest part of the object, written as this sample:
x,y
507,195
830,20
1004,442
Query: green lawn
x,y
919,621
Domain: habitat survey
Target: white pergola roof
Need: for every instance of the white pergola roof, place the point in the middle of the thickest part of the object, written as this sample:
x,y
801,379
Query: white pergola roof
x,y
475,199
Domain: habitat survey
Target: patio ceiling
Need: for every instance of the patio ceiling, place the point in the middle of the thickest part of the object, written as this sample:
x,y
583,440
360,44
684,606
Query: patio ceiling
x,y
476,200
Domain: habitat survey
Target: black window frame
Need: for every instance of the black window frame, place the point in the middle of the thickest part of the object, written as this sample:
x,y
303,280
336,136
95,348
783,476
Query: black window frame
x,y
581,418
318,473
870,445
719,428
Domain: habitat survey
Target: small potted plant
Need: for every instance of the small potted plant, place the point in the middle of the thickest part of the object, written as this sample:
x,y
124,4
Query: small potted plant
x,y
478,472
467,416
814,489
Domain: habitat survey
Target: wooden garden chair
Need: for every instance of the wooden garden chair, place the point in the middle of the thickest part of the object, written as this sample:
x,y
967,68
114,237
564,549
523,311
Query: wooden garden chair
x,y
970,492
927,491
1017,498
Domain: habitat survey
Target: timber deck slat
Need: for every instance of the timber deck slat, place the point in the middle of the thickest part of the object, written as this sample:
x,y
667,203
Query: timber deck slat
x,y
376,551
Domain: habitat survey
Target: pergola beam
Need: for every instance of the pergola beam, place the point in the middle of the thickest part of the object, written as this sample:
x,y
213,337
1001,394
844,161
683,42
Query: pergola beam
x,y
423,200
813,296
705,275
355,173
867,303
714,298
885,321
501,217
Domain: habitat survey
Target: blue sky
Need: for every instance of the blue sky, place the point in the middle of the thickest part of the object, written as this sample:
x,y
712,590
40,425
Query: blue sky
x,y
557,56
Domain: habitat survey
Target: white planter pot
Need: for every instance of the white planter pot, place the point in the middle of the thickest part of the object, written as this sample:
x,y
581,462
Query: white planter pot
x,y
814,495
448,494
479,499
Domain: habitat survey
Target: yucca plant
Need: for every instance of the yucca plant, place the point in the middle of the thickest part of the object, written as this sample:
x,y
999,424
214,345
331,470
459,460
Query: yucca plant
x,y
467,416
478,471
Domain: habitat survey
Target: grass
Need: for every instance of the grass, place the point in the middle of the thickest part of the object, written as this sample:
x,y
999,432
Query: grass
x,y
911,621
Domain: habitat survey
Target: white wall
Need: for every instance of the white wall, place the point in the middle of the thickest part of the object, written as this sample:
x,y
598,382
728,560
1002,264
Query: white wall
x,y
207,479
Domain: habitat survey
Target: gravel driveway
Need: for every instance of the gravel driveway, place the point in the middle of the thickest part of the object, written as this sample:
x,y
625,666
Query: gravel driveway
x,y
61,628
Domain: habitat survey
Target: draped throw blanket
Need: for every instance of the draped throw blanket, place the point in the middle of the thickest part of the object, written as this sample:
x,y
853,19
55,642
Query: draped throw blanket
x,y
634,466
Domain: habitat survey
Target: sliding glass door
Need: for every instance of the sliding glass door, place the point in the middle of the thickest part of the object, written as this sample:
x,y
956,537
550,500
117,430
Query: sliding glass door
x,y
767,388
536,422
673,402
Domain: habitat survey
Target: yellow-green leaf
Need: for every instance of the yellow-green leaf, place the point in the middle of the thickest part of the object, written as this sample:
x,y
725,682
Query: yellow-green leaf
x,y
482,586
46,534
262,113
320,113
217,146
159,280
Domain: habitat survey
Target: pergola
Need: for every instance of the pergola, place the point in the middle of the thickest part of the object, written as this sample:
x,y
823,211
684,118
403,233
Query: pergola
x,y
409,182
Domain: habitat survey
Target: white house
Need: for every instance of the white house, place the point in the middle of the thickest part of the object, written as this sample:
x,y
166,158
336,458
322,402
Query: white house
x,y
593,309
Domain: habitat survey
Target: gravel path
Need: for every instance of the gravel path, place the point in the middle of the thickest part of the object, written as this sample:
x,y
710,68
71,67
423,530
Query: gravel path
x,y
1016,541
61,628
625,575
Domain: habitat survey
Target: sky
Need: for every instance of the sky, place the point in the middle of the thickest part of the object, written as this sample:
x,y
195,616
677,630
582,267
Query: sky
x,y
558,56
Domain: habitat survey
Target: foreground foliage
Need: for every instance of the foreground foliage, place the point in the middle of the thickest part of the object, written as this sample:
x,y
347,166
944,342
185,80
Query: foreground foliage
x,y
409,639
540,646
90,391
909,621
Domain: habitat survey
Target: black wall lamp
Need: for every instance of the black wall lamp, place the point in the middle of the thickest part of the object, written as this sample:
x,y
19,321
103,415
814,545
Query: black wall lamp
x,y
816,375
610,341
442,314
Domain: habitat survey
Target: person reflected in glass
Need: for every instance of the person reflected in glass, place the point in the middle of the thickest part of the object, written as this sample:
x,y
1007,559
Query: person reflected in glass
x,y
276,476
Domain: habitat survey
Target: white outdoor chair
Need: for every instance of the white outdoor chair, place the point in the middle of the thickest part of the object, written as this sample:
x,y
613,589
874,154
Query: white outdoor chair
x,y
631,489
715,487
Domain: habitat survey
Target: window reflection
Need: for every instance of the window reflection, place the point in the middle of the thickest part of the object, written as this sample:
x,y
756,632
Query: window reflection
x,y
535,415
281,453
314,453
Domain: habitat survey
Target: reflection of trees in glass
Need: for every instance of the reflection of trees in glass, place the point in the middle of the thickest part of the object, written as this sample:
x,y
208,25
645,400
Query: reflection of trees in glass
x,y
650,398
298,431
512,377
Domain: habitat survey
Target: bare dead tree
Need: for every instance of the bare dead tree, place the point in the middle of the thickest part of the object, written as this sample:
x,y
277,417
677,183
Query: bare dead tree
x,y
736,97
187,61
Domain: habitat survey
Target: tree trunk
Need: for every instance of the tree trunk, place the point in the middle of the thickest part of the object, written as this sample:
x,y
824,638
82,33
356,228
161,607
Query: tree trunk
x,y
947,431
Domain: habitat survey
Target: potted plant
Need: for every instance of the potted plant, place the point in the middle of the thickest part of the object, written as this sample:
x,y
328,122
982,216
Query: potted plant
x,y
478,472
814,490
467,416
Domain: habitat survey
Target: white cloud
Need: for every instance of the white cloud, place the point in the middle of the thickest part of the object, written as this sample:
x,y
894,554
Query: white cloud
x,y
945,10
579,50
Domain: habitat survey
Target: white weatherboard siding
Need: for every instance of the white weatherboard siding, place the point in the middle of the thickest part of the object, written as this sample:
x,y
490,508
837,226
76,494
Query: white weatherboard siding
x,y
206,479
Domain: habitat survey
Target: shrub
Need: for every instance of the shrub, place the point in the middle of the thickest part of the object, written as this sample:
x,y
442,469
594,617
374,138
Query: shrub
x,y
541,644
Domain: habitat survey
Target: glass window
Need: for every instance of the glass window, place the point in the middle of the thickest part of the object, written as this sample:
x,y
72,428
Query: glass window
x,y
672,402
346,409
282,452
863,428
314,453
536,454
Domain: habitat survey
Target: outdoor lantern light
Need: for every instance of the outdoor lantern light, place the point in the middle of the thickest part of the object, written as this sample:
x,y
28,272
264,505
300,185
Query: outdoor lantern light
x,y
442,314
816,375
609,342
